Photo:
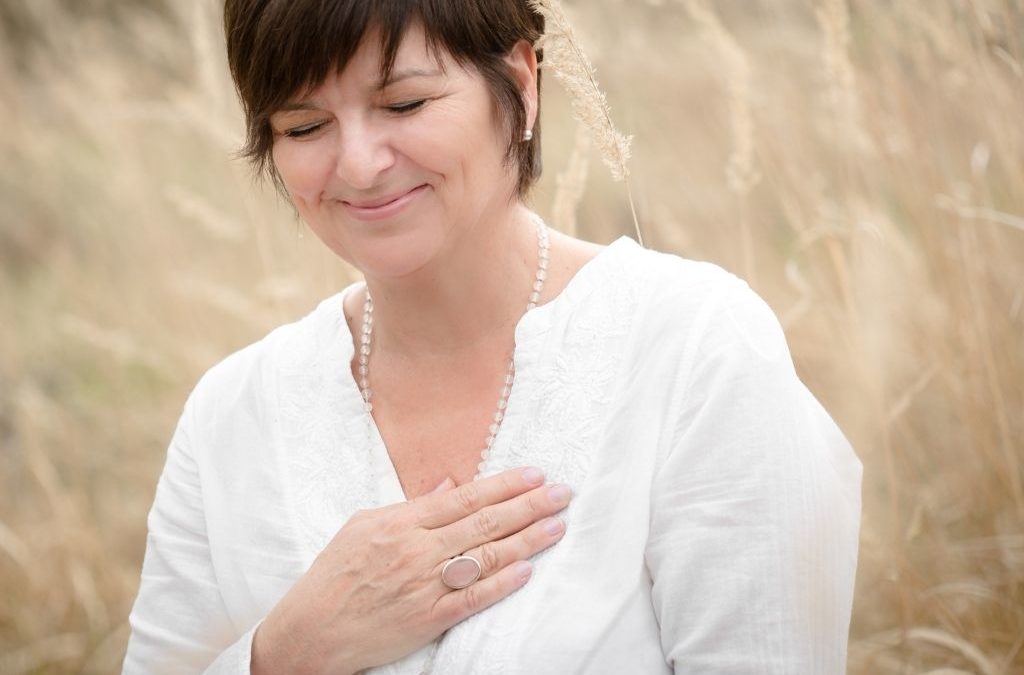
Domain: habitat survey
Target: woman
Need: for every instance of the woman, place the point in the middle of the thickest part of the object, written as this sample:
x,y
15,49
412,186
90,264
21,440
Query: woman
x,y
376,485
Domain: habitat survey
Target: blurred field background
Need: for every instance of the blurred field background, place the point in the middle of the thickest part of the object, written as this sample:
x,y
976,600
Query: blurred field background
x,y
861,162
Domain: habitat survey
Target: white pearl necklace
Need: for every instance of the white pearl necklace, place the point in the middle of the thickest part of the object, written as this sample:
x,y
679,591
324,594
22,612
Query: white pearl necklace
x,y
366,340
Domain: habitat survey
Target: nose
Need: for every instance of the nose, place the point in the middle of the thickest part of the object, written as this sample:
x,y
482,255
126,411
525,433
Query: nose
x,y
364,153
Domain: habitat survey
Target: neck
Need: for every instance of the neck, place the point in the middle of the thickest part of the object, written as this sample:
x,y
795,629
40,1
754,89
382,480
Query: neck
x,y
468,298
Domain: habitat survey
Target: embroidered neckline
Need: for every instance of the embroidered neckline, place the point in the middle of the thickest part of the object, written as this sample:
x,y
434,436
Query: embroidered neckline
x,y
556,406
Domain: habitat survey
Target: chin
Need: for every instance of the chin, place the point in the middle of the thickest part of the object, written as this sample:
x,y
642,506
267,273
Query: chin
x,y
394,255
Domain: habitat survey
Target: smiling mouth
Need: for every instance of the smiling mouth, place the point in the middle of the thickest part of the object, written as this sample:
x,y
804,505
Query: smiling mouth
x,y
382,202
384,208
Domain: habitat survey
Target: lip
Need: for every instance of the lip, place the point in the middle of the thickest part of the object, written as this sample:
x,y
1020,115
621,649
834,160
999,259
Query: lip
x,y
385,208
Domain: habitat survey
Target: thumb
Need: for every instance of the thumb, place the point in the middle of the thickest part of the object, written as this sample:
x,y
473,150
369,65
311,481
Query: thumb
x,y
446,484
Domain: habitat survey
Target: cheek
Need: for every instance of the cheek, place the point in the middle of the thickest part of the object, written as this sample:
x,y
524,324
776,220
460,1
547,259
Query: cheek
x,y
460,142
303,167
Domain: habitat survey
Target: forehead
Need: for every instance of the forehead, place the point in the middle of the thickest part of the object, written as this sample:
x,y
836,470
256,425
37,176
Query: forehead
x,y
377,64
412,55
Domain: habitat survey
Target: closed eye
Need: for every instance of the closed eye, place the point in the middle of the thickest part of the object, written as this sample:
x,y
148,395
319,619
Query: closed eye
x,y
308,129
405,107
299,132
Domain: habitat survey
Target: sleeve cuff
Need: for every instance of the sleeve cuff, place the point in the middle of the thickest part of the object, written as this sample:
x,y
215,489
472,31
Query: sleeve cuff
x,y
236,659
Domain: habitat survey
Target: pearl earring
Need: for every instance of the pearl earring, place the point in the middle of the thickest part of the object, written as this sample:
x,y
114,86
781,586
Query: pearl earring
x,y
528,135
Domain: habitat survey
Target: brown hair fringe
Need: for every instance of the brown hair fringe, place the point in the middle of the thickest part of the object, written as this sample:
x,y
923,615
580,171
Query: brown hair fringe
x,y
278,49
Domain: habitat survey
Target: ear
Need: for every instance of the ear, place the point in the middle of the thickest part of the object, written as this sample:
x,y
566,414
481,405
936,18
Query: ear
x,y
522,61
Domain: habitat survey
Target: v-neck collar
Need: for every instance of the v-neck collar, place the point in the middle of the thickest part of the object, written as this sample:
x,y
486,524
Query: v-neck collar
x,y
529,333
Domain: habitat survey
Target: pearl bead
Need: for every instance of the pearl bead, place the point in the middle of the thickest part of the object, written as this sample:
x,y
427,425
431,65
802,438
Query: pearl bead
x,y
366,333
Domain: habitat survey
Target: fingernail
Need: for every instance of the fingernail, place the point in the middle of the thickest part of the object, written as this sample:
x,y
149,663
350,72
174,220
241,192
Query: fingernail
x,y
559,494
553,526
444,485
533,476
523,570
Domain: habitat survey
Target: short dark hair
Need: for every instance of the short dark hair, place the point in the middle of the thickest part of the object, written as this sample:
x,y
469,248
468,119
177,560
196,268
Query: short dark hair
x,y
279,48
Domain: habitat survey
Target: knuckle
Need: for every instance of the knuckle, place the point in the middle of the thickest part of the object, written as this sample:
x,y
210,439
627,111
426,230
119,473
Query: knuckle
x,y
533,539
509,483
446,613
406,554
487,524
419,508
536,504
468,497
445,539
392,524
386,515
490,560
473,599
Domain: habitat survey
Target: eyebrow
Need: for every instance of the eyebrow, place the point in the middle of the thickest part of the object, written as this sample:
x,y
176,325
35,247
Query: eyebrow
x,y
399,75
396,77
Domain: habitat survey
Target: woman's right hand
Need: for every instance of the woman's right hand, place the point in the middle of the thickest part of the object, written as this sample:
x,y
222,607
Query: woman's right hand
x,y
374,594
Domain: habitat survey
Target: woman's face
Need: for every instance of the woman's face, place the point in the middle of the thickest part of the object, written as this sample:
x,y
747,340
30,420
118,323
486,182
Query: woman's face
x,y
388,177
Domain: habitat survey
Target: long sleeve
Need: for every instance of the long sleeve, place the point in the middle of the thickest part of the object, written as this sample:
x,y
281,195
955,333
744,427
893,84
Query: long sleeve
x,y
179,623
755,508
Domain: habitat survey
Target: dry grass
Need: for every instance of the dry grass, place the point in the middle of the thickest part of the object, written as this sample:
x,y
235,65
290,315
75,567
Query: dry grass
x,y
861,161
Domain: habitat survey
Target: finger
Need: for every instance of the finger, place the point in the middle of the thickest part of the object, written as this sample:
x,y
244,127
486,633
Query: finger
x,y
501,520
497,555
446,484
439,509
456,606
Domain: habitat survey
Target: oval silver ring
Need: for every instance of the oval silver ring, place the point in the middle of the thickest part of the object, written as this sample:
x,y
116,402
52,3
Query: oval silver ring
x,y
460,571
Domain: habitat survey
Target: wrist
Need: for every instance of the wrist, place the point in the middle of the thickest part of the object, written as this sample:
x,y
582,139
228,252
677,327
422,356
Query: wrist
x,y
269,656
261,662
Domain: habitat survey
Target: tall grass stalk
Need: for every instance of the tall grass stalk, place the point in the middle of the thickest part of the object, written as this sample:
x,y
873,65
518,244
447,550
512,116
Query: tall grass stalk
x,y
565,58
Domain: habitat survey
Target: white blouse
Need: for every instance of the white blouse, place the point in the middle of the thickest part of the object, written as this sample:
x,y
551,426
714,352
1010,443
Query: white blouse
x,y
716,512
